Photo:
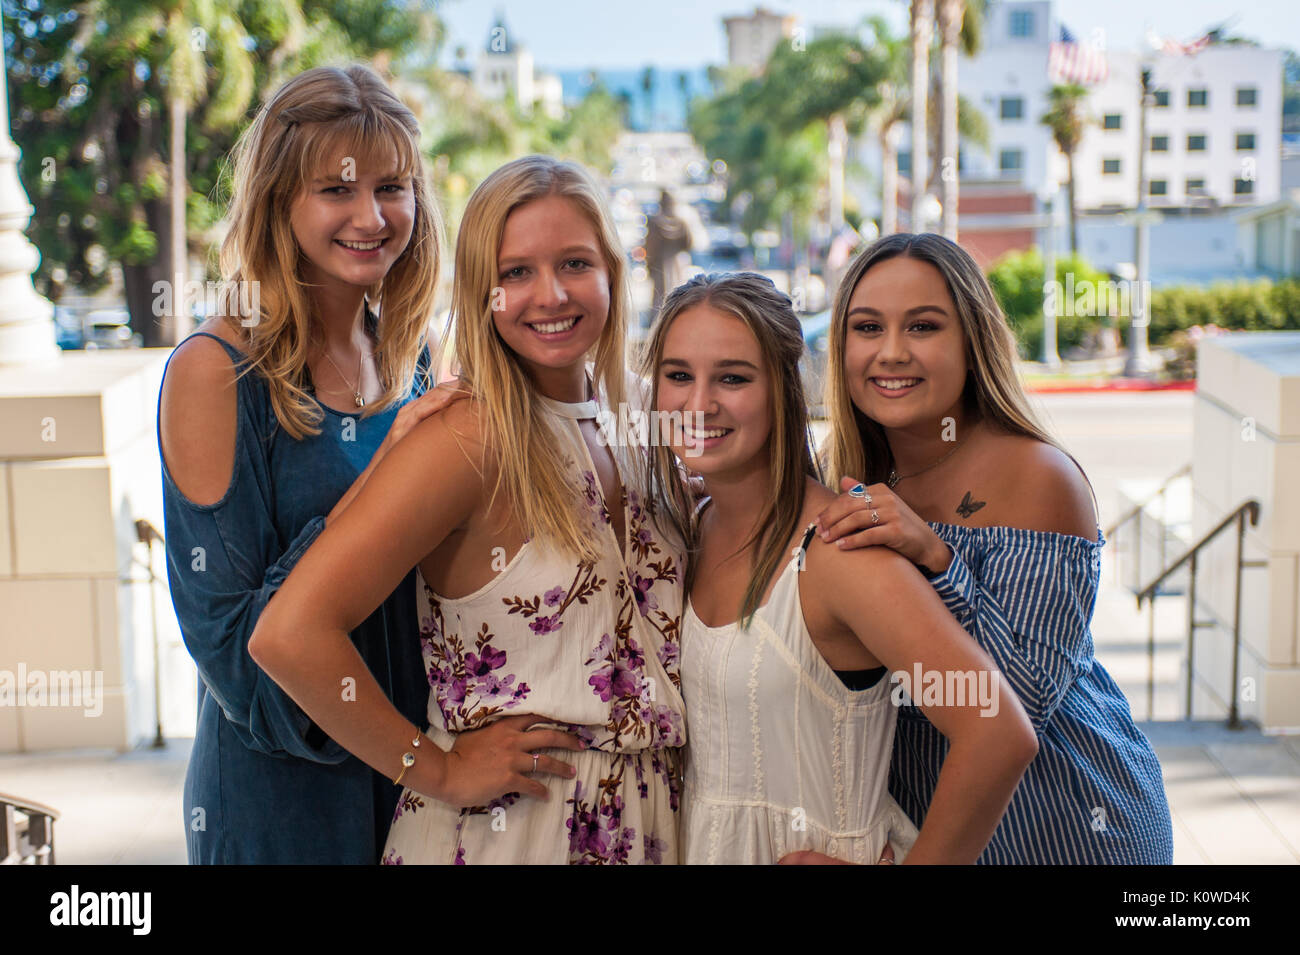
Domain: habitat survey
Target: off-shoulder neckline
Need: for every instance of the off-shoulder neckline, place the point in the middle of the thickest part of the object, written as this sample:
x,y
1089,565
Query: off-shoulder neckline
x,y
1024,532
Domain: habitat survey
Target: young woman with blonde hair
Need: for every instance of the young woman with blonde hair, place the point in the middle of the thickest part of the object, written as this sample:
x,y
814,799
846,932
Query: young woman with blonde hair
x,y
957,476
271,419
547,595
786,641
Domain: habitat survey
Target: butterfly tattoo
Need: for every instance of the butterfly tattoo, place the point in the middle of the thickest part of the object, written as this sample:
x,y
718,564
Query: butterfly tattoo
x,y
967,507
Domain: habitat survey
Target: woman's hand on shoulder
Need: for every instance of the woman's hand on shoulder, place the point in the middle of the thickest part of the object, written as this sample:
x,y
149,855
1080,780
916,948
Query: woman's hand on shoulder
x,y
197,419
880,518
432,402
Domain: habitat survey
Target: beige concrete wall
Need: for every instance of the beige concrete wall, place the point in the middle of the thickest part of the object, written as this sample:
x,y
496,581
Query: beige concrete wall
x,y
78,466
1246,445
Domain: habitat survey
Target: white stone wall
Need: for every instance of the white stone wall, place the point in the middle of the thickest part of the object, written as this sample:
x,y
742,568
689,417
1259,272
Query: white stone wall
x,y
78,466
1246,444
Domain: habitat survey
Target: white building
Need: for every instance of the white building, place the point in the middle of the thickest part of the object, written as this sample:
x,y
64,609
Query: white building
x,y
751,39
505,66
1214,133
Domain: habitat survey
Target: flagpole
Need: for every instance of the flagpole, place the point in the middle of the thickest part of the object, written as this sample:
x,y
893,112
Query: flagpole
x,y
1138,364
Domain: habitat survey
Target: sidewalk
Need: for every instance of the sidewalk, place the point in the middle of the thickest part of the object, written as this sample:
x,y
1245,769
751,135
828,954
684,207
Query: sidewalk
x,y
1235,797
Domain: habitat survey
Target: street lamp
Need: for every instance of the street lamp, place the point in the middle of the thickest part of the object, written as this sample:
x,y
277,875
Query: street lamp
x,y
1046,193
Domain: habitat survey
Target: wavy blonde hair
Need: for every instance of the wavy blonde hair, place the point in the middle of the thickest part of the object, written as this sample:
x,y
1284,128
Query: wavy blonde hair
x,y
309,119
530,467
769,316
857,446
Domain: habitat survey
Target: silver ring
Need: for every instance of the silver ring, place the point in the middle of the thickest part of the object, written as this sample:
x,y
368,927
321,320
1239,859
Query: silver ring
x,y
875,518
860,492
535,755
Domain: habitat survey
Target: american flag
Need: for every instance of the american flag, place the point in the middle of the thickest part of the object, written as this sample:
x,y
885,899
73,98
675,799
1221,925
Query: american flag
x,y
1070,61
1172,47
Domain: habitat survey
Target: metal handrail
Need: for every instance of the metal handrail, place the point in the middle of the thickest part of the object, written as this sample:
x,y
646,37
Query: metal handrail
x,y
40,831
1150,593
1136,512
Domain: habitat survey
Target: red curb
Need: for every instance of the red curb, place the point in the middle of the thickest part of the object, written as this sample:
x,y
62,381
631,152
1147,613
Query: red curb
x,y
1118,384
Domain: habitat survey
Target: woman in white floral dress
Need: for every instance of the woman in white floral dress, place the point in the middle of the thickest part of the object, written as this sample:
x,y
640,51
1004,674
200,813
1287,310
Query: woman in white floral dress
x,y
549,600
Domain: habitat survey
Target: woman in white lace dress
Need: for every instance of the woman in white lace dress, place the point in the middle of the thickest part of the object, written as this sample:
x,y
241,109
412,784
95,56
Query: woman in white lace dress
x,y
785,639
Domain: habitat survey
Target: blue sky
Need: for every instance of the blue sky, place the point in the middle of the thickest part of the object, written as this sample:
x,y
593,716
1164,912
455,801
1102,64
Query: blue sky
x,y
568,34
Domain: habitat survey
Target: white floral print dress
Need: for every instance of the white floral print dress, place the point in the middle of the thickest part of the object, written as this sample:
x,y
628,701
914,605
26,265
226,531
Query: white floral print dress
x,y
592,648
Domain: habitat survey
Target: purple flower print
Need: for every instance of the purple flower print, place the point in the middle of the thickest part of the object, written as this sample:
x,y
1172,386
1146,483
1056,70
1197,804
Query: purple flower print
x,y
554,596
654,849
615,681
643,536
491,659
645,599
540,624
668,654
460,856
391,858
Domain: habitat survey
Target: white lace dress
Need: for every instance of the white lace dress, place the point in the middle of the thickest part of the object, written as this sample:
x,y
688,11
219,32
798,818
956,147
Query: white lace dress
x,y
782,756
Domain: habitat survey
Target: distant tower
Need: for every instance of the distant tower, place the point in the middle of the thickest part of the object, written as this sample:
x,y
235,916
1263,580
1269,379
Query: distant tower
x,y
504,67
751,39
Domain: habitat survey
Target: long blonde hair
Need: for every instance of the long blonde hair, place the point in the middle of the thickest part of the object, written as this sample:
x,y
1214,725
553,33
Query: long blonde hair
x,y
857,446
770,317
311,116
530,466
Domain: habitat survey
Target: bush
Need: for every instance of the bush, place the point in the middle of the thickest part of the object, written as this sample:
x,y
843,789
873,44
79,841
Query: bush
x,y
1261,305
1017,281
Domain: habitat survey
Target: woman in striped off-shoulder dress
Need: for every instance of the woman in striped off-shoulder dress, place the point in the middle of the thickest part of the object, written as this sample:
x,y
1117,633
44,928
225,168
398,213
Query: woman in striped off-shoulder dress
x,y
958,476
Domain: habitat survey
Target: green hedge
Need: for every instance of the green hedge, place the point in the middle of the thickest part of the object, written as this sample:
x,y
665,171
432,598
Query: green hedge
x,y
1258,305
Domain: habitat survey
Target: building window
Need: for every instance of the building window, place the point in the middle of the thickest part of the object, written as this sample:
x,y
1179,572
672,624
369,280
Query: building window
x,y
1243,187
1159,187
1162,99
1111,121
1195,187
1022,23
1245,96
1110,167
905,162
1013,107
1245,142
1011,161
1196,143
1160,144
1198,99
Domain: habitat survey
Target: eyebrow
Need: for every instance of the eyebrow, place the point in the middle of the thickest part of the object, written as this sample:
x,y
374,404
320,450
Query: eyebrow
x,y
868,310
726,363
582,247
394,175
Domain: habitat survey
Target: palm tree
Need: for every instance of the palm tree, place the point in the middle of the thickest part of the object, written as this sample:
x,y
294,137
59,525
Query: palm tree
x,y
648,87
922,30
1067,121
889,115
960,25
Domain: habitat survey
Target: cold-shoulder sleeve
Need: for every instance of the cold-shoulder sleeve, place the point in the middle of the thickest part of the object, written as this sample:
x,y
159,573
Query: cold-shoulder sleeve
x,y
1027,597
225,562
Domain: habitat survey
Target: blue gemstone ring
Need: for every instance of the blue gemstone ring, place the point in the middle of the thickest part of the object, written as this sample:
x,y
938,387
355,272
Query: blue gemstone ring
x,y
860,491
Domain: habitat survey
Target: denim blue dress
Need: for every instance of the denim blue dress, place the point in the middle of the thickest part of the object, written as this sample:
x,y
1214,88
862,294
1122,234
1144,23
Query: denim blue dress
x,y
265,784
1095,792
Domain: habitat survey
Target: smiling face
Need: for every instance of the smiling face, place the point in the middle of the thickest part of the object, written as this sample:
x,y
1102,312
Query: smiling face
x,y
552,298
712,367
353,219
904,349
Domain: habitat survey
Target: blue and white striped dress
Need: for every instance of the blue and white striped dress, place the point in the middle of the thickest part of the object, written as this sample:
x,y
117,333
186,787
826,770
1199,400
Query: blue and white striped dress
x,y
1095,792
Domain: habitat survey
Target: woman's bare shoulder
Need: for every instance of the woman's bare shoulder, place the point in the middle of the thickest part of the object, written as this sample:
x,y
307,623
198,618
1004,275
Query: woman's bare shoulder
x,y
1044,488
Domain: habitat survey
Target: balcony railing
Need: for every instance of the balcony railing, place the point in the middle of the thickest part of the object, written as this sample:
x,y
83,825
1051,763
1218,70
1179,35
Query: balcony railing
x,y
26,832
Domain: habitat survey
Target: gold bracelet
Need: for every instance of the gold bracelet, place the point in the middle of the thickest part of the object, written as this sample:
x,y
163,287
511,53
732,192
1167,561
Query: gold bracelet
x,y
408,759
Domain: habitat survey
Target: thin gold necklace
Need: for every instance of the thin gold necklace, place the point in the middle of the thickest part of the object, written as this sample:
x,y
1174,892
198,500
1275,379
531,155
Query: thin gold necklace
x,y
895,477
356,389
